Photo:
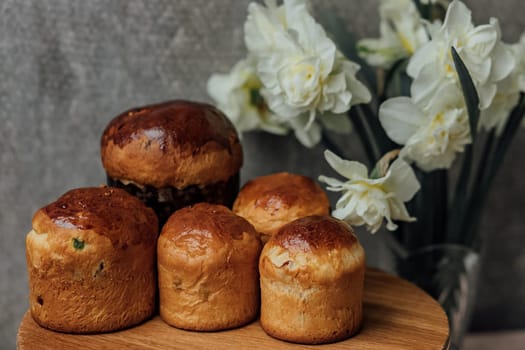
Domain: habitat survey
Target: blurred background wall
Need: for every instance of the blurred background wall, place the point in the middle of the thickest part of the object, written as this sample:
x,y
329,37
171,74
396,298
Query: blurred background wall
x,y
68,66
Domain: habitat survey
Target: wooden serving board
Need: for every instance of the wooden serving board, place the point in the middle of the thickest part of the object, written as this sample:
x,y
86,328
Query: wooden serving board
x,y
397,315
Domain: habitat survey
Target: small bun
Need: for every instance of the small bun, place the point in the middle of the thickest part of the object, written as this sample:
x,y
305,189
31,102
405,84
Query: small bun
x,y
176,143
312,280
268,202
90,258
207,263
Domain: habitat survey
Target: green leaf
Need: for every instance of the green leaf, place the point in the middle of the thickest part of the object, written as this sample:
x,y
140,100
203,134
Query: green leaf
x,y
424,10
506,137
469,92
459,205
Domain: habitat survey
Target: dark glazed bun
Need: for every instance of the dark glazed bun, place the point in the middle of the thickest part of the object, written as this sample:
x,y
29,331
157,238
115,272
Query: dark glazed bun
x,y
172,144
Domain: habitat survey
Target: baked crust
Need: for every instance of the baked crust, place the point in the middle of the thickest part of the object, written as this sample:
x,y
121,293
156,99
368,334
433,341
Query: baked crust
x,y
312,280
207,263
176,143
269,202
91,262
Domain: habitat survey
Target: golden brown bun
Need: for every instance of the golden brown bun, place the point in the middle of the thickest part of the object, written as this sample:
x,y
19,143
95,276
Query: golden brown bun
x,y
268,202
176,143
207,262
91,261
312,279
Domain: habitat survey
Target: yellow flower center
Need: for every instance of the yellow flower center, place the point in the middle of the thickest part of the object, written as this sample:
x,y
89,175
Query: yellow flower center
x,y
253,87
369,187
406,43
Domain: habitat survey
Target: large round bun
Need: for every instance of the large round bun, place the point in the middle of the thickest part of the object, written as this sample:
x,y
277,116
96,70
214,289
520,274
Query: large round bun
x,y
91,261
312,280
207,263
172,144
268,202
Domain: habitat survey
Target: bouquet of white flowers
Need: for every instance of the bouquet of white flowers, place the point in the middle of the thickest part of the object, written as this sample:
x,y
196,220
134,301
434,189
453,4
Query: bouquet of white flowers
x,y
436,90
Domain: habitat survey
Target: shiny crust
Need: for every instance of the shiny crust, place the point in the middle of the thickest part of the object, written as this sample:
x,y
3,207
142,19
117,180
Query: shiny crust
x,y
111,212
176,143
268,202
105,284
207,263
312,280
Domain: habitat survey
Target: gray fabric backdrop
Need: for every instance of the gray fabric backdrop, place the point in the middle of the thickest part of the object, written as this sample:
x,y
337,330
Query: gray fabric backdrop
x,y
67,67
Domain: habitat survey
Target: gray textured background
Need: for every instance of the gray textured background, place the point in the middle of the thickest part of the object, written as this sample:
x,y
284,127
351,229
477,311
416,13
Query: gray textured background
x,y
67,67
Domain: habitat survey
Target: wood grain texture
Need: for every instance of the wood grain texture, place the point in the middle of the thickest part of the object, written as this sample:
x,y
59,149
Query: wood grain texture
x,y
398,315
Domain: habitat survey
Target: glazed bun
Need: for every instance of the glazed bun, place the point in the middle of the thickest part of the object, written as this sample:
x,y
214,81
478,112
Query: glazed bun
x,y
207,264
173,154
312,279
268,202
91,261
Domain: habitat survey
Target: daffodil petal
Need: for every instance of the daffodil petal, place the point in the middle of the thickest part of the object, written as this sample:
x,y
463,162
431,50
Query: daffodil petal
x,y
349,169
400,118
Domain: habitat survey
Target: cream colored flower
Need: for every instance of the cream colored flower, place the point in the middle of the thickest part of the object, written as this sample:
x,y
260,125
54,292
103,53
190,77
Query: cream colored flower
x,y
508,92
443,3
431,137
480,48
303,74
369,201
519,53
518,50
237,94
506,98
402,33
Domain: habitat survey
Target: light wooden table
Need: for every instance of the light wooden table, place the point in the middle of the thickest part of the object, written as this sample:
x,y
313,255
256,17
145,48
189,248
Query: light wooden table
x,y
398,315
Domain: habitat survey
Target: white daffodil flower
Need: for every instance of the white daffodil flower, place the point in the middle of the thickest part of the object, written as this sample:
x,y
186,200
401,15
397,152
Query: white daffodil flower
x,y
237,95
519,53
369,201
431,137
508,92
309,134
443,3
301,71
506,98
401,33
518,50
480,48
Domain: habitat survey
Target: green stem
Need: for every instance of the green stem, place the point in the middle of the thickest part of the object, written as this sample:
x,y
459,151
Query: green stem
x,y
458,208
400,65
440,193
493,154
379,135
364,137
329,144
478,193
505,140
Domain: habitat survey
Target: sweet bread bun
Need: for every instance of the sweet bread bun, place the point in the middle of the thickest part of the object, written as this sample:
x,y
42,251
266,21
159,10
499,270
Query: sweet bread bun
x,y
207,263
91,261
173,154
268,202
312,276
